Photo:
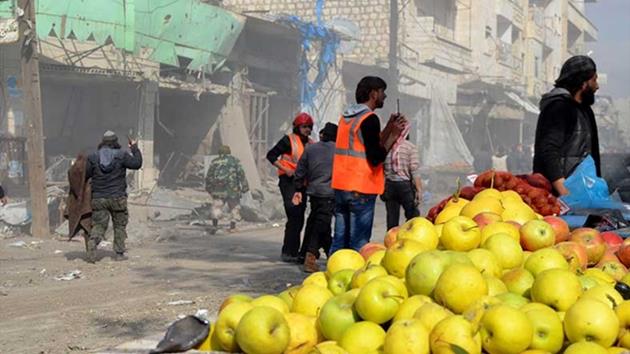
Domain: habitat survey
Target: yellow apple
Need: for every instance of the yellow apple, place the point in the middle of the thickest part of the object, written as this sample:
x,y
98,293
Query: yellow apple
x,y
234,298
585,348
600,276
409,307
227,322
400,254
378,301
548,331
454,331
626,279
486,262
430,314
376,257
406,336
604,293
500,227
303,333
447,214
495,285
288,295
475,312
558,288
488,193
505,330
511,195
618,350
398,283
461,233
456,201
365,274
506,249
514,300
518,281
271,301
537,234
482,205
211,343
623,314
344,259
460,286
318,278
363,337
544,259
263,330
518,212
591,320
587,282
421,230
310,299
484,219
328,347
438,230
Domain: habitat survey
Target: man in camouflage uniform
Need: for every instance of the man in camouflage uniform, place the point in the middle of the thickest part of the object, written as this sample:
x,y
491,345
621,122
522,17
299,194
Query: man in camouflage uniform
x,y
226,183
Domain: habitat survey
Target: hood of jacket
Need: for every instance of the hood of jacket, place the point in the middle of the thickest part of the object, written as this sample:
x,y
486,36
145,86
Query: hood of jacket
x,y
106,157
355,110
558,93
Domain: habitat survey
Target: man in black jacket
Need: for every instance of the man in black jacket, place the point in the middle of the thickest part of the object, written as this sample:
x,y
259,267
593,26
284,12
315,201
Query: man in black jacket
x,y
566,132
107,168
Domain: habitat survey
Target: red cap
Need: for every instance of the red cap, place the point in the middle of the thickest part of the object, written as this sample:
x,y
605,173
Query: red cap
x,y
302,119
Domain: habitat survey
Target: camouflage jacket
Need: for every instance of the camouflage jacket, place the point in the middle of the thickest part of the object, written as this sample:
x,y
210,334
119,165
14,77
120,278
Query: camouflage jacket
x,y
225,178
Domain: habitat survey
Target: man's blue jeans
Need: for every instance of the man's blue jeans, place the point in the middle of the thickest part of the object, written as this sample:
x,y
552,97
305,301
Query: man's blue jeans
x,y
354,216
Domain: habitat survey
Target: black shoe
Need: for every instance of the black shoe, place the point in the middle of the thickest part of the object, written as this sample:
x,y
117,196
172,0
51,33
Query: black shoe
x,y
232,225
215,222
300,260
288,259
120,257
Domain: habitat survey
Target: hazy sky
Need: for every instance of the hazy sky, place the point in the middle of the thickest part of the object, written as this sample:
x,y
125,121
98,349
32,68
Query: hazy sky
x,y
612,50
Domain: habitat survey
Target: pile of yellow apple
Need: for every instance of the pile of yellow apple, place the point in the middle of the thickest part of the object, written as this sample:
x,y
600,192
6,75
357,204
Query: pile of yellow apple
x,y
490,276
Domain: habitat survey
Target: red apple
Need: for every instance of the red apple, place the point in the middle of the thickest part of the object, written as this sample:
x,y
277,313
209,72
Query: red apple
x,y
560,227
391,236
537,234
485,218
624,252
369,248
612,238
574,253
592,241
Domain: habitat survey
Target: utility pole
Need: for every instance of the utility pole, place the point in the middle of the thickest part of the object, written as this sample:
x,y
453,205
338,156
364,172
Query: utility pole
x,y
29,60
393,45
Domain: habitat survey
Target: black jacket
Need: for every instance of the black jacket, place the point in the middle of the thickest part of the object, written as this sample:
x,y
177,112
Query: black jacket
x,y
565,134
108,169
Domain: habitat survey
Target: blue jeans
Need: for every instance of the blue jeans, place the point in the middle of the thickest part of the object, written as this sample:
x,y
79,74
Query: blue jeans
x,y
354,216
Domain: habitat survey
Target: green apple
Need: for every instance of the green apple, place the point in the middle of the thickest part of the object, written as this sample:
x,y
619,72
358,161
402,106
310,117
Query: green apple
x,y
591,320
458,257
518,281
362,338
513,300
406,336
378,301
505,330
409,307
400,254
344,259
339,282
421,230
365,274
558,288
537,234
460,233
455,331
338,314
548,331
227,322
460,286
507,250
263,330
271,301
543,259
424,270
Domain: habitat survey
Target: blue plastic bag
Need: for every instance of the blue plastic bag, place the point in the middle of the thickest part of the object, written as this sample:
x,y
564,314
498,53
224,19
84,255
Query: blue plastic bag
x,y
586,190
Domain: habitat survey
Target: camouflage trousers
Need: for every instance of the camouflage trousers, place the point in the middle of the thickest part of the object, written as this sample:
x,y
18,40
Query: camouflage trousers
x,y
102,208
229,205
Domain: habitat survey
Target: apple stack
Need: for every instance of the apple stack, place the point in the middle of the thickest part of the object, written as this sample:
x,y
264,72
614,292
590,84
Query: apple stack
x,y
490,276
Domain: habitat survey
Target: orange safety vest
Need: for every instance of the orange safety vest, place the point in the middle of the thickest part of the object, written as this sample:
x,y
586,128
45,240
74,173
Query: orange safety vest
x,y
290,160
351,171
